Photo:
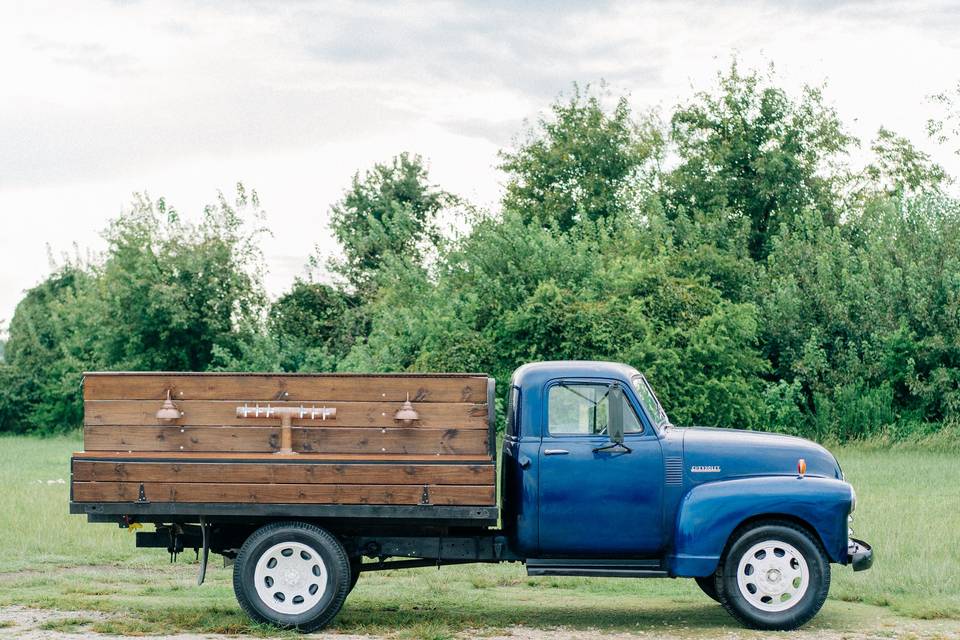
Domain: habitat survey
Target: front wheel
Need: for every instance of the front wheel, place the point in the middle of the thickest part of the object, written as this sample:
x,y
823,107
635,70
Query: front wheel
x,y
774,576
292,574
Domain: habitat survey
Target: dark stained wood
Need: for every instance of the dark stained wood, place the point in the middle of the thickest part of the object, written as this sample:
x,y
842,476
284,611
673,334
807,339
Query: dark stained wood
x,y
295,388
221,456
282,493
280,473
362,456
349,414
267,439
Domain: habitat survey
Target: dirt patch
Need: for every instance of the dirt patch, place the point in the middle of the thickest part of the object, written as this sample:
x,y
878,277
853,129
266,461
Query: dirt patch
x,y
913,629
47,624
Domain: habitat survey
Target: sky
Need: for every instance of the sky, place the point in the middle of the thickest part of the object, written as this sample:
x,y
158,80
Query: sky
x,y
181,99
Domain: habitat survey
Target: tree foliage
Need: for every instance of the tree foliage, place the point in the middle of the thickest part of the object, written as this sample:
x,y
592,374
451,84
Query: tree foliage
x,y
40,377
579,165
750,151
731,251
174,296
314,326
390,212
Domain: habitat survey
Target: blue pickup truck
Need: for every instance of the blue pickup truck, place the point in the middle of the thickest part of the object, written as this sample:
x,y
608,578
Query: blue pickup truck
x,y
598,482
594,481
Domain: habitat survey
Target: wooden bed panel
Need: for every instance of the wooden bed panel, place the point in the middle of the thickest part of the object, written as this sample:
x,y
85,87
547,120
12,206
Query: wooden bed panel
x,y
389,440
360,456
305,458
284,473
443,415
294,388
282,493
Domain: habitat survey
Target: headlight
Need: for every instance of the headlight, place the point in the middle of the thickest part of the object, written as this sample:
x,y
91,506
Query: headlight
x,y
853,500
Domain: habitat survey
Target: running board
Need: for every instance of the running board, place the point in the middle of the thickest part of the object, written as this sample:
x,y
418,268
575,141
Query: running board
x,y
596,568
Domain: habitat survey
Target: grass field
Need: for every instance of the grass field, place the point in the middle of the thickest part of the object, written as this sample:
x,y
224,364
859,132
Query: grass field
x,y
909,510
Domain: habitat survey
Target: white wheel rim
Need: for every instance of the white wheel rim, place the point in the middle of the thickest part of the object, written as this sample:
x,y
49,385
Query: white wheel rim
x,y
773,576
291,578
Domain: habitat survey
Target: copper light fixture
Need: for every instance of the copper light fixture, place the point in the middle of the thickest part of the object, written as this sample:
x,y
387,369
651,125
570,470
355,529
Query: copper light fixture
x,y
406,414
169,411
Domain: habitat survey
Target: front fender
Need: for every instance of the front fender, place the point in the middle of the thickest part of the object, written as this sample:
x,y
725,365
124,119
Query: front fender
x,y
710,512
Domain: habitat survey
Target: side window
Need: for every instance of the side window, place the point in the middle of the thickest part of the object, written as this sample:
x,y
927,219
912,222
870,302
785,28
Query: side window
x,y
513,412
582,409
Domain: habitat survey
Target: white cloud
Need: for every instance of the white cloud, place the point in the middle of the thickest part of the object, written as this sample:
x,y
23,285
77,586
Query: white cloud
x,y
98,100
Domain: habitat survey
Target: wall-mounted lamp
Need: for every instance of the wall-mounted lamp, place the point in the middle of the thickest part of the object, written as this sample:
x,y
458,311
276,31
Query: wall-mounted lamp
x,y
169,411
406,414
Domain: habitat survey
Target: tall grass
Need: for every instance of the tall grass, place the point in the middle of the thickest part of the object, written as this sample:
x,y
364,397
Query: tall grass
x,y
910,511
34,493
853,412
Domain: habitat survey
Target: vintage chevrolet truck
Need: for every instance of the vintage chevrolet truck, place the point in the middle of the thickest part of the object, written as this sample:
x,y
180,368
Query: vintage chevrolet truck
x,y
305,481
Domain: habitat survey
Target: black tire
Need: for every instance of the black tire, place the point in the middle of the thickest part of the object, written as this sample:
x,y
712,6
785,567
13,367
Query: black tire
x,y
355,563
708,586
331,558
796,614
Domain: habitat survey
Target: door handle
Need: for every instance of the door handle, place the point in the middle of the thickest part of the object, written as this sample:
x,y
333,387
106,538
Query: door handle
x,y
555,452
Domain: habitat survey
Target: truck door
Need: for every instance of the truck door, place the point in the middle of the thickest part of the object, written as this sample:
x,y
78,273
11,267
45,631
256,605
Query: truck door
x,y
597,501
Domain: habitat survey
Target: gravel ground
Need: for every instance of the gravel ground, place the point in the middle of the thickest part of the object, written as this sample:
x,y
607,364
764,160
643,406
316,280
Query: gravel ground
x,y
34,624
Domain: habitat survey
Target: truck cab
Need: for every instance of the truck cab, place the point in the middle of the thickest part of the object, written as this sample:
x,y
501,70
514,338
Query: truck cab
x,y
597,481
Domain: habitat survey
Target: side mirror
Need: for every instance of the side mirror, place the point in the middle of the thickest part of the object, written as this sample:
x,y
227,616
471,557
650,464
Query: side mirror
x,y
615,414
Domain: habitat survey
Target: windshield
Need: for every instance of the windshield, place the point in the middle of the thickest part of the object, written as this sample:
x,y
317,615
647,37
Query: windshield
x,y
650,403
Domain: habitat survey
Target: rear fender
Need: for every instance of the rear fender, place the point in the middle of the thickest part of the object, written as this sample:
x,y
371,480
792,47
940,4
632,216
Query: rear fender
x,y
709,513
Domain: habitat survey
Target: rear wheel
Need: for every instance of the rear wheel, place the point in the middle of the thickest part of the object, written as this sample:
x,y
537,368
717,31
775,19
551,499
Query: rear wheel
x,y
775,576
292,574
708,586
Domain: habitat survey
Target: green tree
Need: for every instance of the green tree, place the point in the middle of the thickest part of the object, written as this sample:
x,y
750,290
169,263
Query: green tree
x,y
864,317
174,295
315,326
945,128
749,151
898,168
391,210
46,352
580,163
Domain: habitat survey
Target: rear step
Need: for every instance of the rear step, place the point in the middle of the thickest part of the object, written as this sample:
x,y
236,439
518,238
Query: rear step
x,y
597,568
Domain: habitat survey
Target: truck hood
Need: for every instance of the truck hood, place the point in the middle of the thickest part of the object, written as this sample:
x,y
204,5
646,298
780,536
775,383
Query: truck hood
x,y
710,454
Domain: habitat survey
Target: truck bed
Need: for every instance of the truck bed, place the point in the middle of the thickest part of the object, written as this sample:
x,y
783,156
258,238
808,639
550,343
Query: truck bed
x,y
220,457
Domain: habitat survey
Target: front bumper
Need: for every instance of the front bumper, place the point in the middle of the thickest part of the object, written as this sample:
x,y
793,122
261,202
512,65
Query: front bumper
x,y
859,554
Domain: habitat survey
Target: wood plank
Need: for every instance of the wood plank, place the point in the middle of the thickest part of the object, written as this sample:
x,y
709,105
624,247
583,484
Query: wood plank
x,y
281,493
281,473
267,439
221,456
459,415
295,388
